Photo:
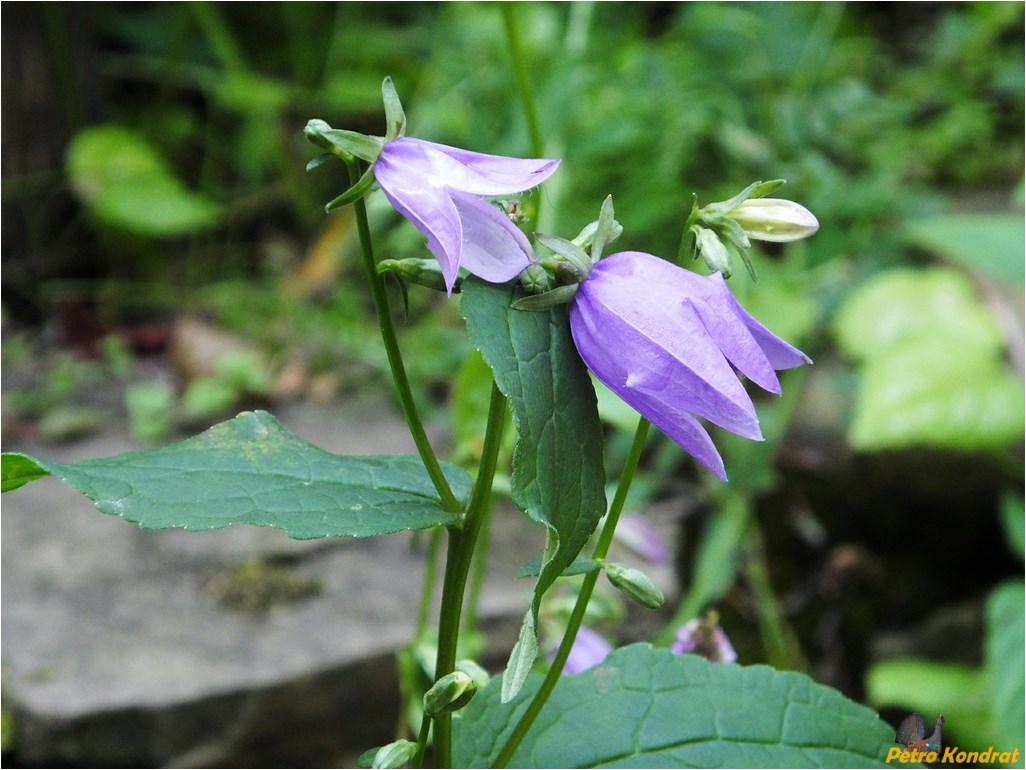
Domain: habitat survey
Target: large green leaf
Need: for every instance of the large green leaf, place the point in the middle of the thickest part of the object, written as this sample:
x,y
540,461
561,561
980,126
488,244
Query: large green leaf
x,y
932,369
128,185
558,478
250,470
645,707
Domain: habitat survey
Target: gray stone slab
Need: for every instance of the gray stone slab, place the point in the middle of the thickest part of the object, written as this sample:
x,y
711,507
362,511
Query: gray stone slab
x,y
116,649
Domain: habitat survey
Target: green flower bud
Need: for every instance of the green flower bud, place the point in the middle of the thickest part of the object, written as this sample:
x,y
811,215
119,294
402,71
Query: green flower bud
x,y
715,254
774,219
536,279
423,272
450,693
392,755
635,583
474,671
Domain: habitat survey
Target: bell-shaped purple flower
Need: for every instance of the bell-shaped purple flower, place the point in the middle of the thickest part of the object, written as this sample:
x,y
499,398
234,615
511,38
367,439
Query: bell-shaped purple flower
x,y
588,651
705,637
440,190
670,342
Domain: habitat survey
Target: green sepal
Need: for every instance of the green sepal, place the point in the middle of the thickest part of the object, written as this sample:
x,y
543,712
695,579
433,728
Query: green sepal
x,y
606,232
423,272
765,188
754,190
395,117
363,186
558,296
570,251
733,232
319,160
346,144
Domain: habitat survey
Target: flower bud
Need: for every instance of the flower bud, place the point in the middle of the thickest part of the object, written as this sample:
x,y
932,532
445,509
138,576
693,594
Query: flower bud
x,y
715,254
474,671
423,272
635,583
774,219
392,755
450,693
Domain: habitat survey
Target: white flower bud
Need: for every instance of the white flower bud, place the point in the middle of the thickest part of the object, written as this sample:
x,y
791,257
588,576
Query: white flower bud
x,y
774,219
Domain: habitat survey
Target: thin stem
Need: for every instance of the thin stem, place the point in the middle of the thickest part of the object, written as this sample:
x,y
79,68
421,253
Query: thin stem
x,y
427,591
581,606
778,639
422,739
457,567
395,359
516,49
479,570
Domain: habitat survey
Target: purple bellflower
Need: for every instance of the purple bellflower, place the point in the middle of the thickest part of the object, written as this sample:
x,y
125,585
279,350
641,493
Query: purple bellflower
x,y
588,651
441,191
670,342
705,637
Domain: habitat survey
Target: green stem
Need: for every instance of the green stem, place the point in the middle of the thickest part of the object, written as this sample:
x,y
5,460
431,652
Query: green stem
x,y
516,49
422,739
581,606
778,639
427,590
395,359
457,567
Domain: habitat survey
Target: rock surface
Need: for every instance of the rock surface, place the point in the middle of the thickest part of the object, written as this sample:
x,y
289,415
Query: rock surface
x,y
124,646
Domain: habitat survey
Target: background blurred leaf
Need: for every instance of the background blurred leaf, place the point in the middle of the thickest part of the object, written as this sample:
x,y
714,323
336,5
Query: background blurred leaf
x,y
1003,661
931,364
127,185
991,242
961,693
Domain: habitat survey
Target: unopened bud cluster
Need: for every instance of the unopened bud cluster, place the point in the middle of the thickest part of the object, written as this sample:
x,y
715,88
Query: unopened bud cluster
x,y
746,217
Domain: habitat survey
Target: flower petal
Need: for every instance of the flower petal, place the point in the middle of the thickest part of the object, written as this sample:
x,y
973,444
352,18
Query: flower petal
x,y
493,247
589,649
435,165
430,209
669,412
652,342
780,354
670,342
501,175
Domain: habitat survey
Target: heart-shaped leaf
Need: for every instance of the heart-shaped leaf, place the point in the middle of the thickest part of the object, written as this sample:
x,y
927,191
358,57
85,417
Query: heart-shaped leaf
x,y
250,470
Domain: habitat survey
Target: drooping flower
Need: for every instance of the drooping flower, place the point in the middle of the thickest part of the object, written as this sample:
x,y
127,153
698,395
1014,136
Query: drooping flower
x,y
705,637
441,190
643,537
588,651
670,342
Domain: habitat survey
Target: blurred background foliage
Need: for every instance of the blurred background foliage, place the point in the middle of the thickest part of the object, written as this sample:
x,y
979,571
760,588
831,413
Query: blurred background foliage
x,y
155,204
